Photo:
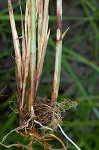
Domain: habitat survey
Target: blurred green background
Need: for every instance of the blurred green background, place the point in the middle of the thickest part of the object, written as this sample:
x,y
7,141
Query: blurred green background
x,y
79,75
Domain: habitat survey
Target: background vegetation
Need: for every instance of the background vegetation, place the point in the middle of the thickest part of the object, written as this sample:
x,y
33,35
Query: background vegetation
x,y
79,76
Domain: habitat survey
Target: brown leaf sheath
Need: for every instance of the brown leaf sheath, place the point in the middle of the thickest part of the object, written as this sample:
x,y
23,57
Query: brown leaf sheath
x,y
42,44
18,60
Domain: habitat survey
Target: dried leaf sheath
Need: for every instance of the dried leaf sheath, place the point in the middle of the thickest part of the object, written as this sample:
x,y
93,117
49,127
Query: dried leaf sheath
x,y
44,35
57,71
16,47
22,65
23,58
26,20
23,37
27,56
40,17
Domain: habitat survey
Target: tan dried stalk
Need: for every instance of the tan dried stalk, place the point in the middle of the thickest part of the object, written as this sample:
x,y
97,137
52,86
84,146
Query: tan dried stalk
x,y
27,53
22,64
43,39
16,47
23,37
23,59
26,20
40,17
57,69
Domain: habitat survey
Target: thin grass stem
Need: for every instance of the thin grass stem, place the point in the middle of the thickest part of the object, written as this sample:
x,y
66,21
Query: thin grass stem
x,y
57,69
44,36
40,17
32,55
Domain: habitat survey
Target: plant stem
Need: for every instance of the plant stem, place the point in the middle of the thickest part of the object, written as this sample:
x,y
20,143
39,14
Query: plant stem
x,y
18,59
43,40
40,17
57,71
32,55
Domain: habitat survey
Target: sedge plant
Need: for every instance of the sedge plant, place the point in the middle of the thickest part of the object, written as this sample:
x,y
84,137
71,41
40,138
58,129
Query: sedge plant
x,y
36,114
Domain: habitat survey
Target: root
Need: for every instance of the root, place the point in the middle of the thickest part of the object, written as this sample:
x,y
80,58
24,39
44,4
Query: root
x,y
14,145
40,128
43,127
68,137
55,137
16,130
